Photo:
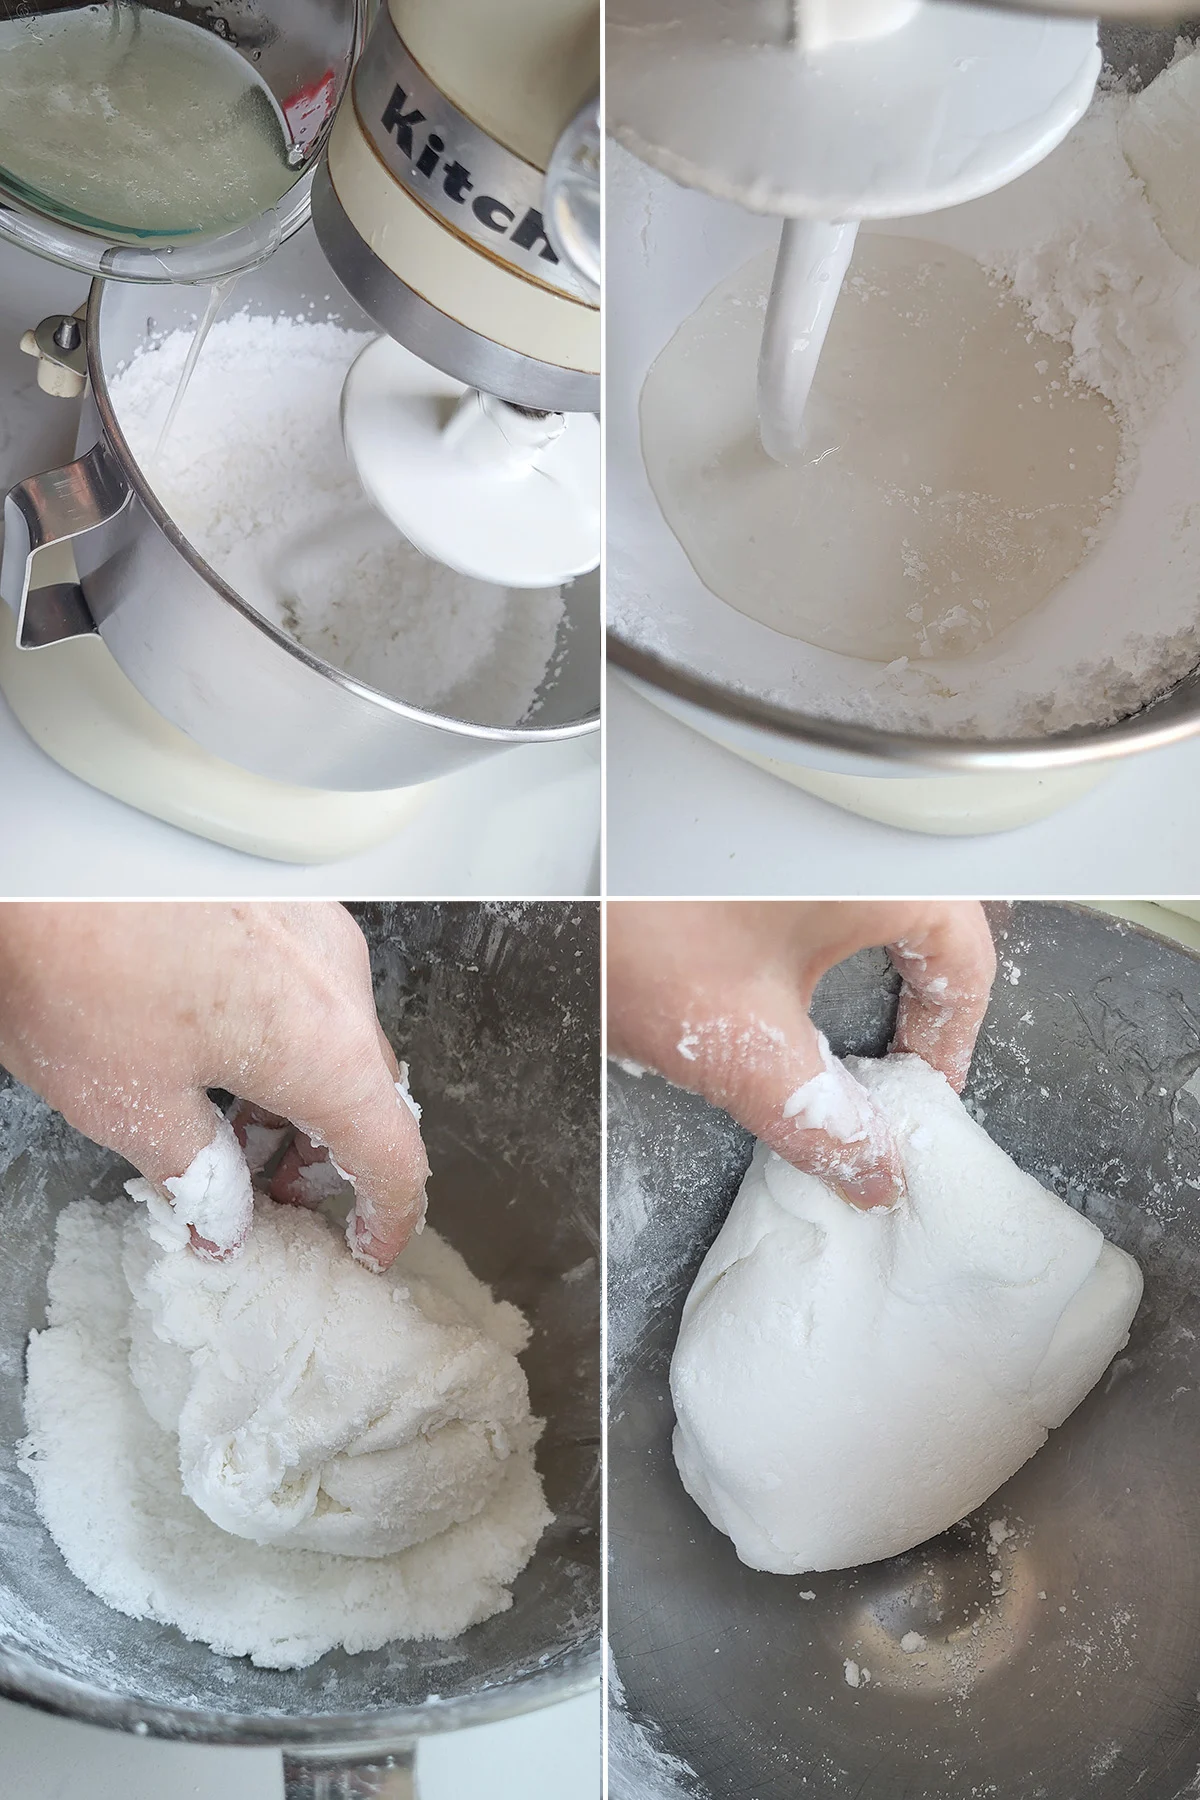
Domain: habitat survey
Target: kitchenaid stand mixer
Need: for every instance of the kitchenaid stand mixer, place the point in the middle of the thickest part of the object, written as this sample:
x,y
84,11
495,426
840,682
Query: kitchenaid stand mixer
x,y
111,689
822,116
435,211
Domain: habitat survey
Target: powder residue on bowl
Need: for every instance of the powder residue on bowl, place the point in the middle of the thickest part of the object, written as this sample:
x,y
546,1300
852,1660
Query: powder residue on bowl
x,y
1098,248
254,473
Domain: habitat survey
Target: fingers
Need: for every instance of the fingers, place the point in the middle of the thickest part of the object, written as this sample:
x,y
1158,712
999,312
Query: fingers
x,y
777,1076
832,1129
305,1175
378,1144
947,963
192,1155
349,1108
261,1134
373,1143
308,1172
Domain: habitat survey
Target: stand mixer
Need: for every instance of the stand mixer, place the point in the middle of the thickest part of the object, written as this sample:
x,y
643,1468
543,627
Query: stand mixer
x,y
834,111
459,204
821,115
460,411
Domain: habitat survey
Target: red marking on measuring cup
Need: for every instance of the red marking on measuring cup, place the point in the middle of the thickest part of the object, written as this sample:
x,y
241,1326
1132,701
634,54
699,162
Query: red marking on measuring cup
x,y
309,107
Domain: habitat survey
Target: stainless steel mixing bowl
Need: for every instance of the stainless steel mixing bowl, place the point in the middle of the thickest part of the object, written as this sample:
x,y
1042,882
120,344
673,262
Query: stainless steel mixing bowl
x,y
199,653
497,1009
1078,1671
669,664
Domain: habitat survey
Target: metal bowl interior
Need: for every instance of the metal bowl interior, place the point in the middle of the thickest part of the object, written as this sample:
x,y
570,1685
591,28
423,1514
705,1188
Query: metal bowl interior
x,y
708,664
497,1009
1077,1672
123,318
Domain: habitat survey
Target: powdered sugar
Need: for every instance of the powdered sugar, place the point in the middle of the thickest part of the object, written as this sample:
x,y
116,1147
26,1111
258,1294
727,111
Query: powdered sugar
x,y
255,474
213,1196
835,1103
1095,260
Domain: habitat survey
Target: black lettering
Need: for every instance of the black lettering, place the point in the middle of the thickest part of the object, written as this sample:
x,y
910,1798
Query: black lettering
x,y
458,182
532,229
492,213
400,123
427,162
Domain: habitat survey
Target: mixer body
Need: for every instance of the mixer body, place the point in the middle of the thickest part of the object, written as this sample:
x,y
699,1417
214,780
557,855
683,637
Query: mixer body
x,y
201,656
432,207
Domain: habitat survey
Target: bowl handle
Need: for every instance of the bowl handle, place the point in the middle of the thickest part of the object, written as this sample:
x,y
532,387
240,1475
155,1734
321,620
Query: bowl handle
x,y
330,1775
55,508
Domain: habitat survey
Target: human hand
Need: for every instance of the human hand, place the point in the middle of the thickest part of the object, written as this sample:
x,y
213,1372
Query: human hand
x,y
715,995
121,1015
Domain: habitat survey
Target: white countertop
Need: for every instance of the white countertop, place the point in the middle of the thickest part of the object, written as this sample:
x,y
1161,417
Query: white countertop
x,y
687,817
523,823
553,1754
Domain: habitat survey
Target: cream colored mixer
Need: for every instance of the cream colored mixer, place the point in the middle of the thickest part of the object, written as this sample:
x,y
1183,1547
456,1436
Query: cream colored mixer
x,y
459,204
454,172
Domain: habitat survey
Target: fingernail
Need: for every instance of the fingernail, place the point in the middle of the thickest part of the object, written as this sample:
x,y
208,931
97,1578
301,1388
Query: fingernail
x,y
875,1190
374,1252
364,1246
214,1252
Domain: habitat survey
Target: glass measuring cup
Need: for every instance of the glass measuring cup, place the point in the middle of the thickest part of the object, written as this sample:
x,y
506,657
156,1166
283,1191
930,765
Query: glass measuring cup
x,y
158,140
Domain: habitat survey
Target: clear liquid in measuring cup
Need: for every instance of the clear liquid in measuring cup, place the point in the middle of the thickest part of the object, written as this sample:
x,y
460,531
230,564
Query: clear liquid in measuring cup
x,y
137,124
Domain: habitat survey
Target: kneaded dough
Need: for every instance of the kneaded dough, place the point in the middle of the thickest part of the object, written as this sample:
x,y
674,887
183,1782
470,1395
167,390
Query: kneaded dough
x,y
849,1384
318,1405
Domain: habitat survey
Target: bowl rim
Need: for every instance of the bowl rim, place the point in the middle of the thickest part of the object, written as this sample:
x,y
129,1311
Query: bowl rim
x,y
29,1683
116,443
1171,719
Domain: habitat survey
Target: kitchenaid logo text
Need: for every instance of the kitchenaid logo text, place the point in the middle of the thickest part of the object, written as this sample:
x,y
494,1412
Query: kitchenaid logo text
x,y
528,232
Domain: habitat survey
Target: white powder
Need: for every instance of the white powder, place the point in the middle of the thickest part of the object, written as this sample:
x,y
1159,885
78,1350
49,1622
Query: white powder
x,y
255,474
213,1195
364,1440
835,1103
1090,242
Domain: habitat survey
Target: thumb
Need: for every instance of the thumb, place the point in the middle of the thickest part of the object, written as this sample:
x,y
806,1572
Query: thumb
x,y
189,1152
828,1125
947,968
782,1082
